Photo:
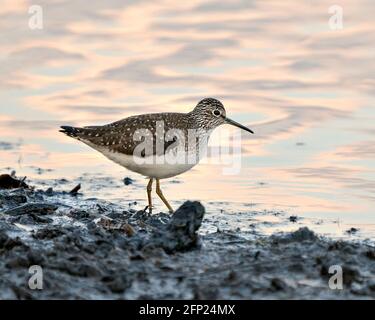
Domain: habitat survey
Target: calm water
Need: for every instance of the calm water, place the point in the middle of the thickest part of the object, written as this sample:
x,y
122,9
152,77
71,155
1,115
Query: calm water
x,y
307,91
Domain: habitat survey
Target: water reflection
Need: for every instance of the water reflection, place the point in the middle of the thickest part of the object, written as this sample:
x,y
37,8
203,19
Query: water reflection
x,y
306,90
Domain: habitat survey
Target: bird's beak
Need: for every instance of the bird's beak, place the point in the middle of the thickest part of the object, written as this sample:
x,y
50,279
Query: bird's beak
x,y
238,125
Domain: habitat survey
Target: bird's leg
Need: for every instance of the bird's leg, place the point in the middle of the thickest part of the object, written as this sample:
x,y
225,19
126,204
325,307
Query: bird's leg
x,y
160,194
149,189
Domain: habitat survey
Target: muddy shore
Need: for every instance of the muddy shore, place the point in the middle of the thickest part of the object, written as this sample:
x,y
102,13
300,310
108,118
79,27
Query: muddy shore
x,y
95,249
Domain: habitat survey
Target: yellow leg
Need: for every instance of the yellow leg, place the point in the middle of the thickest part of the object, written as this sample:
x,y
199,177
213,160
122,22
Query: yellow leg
x,y
149,189
160,194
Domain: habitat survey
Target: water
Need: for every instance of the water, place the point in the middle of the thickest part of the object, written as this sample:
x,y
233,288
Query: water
x,y
305,89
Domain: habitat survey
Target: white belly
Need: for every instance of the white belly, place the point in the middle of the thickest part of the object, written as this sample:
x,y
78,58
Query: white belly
x,y
172,164
154,167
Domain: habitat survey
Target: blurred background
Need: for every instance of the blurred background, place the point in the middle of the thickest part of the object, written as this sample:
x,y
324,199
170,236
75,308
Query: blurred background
x,y
306,88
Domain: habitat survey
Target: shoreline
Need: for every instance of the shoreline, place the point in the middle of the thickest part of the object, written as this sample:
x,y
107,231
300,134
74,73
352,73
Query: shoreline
x,y
95,249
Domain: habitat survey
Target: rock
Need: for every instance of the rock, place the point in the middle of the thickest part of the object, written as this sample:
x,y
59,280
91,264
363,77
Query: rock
x,y
116,215
75,190
128,181
205,293
49,191
21,293
39,208
8,243
13,198
9,182
180,234
118,283
128,229
302,234
30,218
278,285
352,231
79,268
111,225
371,285
48,233
17,262
79,214
370,254
350,274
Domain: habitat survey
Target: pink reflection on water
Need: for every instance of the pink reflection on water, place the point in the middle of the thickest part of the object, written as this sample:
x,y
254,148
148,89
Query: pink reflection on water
x,y
303,88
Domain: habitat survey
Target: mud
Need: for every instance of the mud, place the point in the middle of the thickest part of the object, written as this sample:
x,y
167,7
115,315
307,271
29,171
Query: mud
x,y
9,182
93,249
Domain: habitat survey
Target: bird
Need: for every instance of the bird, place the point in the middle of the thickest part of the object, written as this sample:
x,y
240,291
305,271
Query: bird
x,y
157,145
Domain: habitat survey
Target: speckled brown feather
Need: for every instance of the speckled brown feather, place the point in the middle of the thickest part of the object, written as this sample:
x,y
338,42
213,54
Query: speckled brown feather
x,y
119,136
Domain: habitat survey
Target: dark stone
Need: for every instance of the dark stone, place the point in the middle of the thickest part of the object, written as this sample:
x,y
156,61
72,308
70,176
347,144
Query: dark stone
x,y
8,243
302,234
31,218
352,231
39,208
75,190
128,181
49,192
9,182
350,275
180,233
278,285
79,214
48,233
117,284
13,198
370,254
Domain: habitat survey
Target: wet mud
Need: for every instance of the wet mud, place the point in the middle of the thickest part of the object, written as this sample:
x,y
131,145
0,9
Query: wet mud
x,y
94,249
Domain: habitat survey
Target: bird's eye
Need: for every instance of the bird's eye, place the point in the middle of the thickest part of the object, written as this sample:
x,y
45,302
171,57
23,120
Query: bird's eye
x,y
217,113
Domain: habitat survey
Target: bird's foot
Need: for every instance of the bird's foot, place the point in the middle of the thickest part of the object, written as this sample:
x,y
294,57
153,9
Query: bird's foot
x,y
148,210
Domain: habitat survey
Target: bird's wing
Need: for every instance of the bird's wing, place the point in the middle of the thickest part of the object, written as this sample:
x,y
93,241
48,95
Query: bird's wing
x,y
141,136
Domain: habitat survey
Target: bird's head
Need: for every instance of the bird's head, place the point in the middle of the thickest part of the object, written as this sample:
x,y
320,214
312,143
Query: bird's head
x,y
210,113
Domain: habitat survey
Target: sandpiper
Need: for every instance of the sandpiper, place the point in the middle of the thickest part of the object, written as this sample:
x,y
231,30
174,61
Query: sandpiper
x,y
157,145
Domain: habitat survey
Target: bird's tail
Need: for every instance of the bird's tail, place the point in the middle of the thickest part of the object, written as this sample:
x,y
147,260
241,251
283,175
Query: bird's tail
x,y
71,131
